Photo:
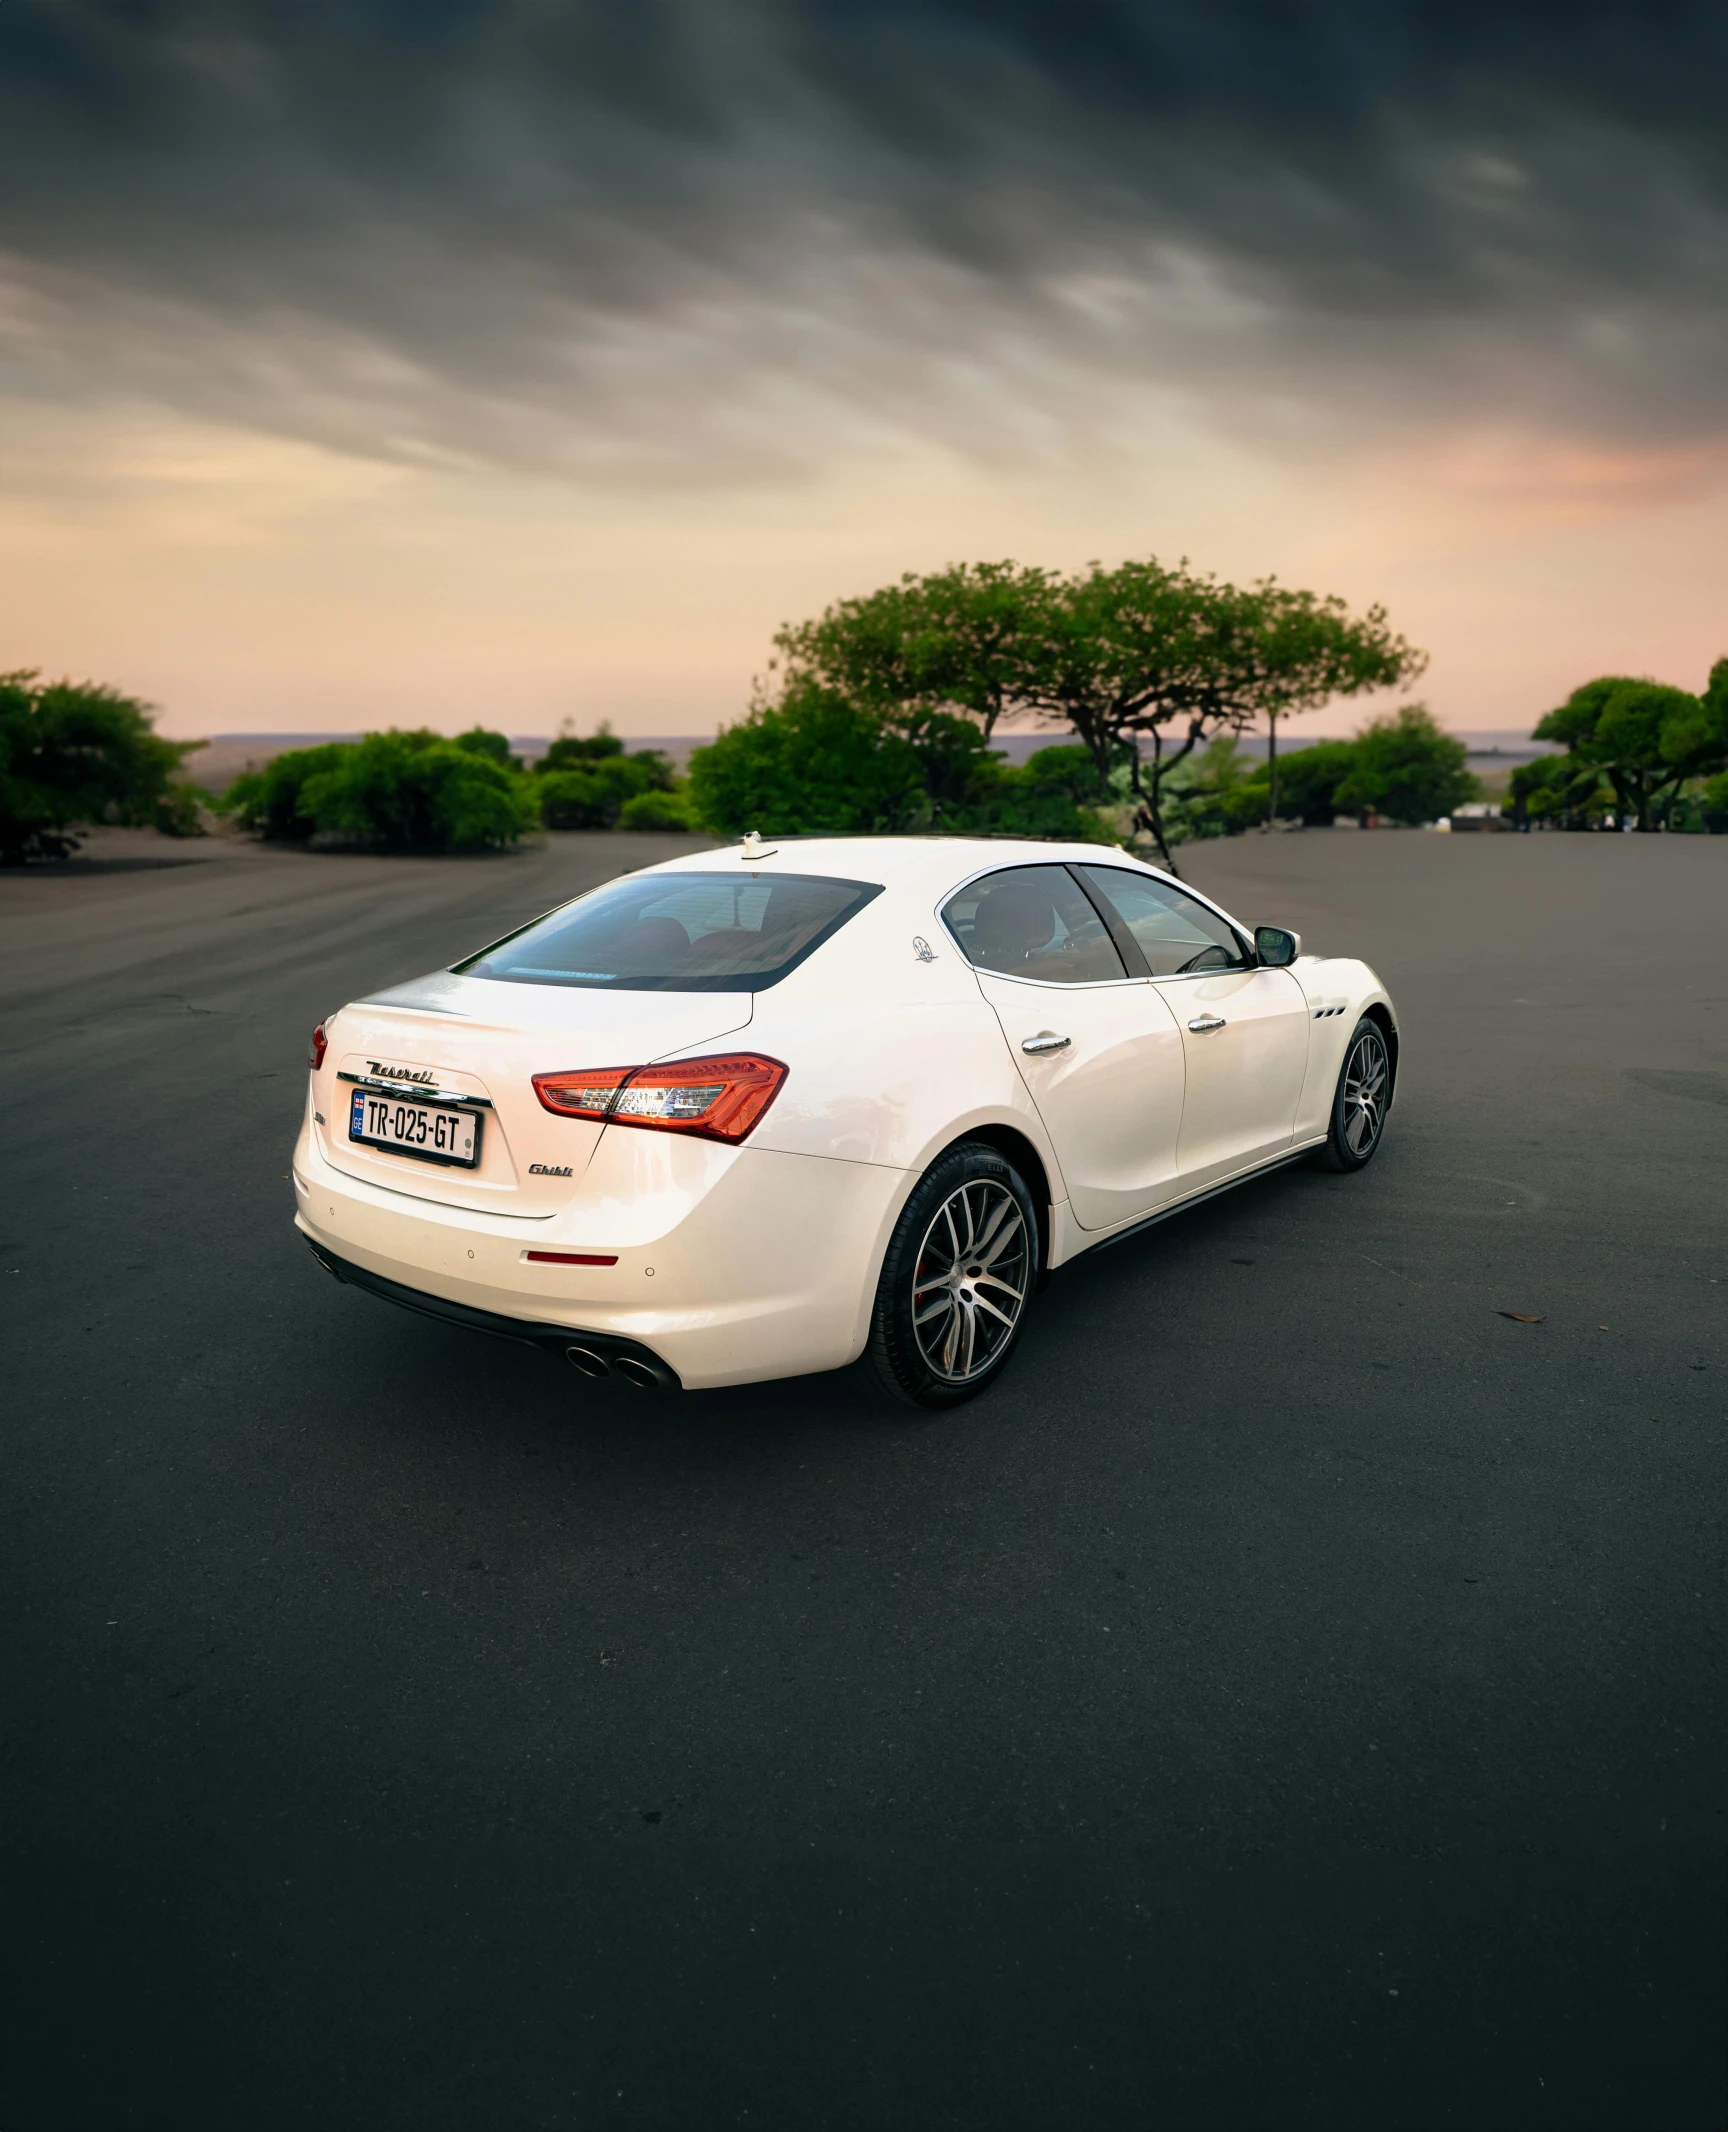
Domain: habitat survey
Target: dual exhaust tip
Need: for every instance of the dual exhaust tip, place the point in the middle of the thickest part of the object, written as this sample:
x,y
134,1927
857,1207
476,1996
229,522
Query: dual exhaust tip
x,y
632,1368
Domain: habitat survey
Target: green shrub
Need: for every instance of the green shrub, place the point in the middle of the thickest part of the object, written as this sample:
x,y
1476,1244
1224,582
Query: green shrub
x,y
75,752
179,812
481,740
271,801
577,799
389,792
1222,791
1309,780
571,751
1056,792
587,783
658,810
1218,792
589,798
415,792
812,765
1406,768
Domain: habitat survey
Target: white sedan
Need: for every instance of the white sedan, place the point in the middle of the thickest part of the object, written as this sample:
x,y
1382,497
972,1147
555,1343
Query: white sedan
x,y
762,1111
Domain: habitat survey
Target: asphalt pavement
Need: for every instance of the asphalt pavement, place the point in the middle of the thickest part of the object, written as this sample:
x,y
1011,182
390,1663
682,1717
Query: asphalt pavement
x,y
1294,1698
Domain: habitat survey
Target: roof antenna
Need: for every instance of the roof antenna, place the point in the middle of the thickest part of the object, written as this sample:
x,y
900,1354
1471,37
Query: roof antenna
x,y
754,848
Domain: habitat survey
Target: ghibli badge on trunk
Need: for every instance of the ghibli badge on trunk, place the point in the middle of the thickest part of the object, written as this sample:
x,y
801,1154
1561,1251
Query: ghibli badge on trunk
x,y
546,1169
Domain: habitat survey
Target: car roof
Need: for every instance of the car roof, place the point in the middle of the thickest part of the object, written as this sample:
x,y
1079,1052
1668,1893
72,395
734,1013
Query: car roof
x,y
911,862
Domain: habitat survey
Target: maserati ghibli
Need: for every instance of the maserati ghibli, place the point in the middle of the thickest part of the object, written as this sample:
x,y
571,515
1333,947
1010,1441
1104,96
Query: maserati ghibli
x,y
814,1102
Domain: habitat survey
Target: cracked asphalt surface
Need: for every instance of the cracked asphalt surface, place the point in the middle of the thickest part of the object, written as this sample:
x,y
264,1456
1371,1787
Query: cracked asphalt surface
x,y
1294,1698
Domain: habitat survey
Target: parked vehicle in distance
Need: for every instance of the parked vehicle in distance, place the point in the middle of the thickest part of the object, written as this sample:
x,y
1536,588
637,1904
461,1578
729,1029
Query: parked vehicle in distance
x,y
763,1111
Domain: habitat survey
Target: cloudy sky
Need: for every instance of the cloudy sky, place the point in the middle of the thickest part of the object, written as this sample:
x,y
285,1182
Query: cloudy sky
x,y
379,360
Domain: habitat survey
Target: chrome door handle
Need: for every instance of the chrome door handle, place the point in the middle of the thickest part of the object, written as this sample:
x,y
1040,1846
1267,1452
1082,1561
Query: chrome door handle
x,y
1046,1042
1204,1022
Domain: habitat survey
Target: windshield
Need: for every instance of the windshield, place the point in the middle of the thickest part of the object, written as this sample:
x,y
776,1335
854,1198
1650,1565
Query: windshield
x,y
677,933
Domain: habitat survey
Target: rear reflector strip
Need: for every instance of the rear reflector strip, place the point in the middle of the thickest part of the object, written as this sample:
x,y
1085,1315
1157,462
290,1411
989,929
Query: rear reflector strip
x,y
571,1258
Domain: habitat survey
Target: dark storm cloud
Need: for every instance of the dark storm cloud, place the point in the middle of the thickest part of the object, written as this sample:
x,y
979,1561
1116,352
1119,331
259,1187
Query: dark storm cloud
x,y
698,240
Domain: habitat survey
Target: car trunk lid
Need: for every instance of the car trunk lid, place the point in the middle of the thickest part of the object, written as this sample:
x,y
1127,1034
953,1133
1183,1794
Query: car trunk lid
x,y
481,1041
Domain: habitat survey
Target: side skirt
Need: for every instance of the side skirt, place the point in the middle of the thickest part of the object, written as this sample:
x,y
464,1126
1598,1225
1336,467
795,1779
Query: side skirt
x,y
1198,1199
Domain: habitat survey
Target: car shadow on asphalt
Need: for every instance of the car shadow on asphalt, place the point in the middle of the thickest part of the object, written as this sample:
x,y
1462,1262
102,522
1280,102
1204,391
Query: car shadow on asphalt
x,y
1098,1320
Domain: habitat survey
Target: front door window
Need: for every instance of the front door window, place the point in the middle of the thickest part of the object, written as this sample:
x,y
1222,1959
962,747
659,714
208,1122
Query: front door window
x,y
1176,933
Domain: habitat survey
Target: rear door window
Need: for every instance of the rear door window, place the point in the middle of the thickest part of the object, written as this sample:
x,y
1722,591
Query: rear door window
x,y
1033,922
678,933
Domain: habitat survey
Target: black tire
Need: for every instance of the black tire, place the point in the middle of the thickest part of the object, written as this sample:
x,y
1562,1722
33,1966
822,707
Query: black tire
x,y
1361,1099
943,1357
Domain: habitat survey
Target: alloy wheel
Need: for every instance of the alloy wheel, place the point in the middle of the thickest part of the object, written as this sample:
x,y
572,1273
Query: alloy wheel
x,y
1365,1078
970,1281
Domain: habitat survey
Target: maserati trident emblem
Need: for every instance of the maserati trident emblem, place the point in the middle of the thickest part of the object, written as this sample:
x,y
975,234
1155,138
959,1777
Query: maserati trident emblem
x,y
922,948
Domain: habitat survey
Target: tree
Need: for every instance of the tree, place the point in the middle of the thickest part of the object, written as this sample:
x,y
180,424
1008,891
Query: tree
x,y
1306,650
1645,737
1405,768
1123,652
1558,788
961,640
1141,652
75,752
1146,650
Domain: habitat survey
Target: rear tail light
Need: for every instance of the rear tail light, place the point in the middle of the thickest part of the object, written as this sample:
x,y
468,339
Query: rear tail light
x,y
716,1099
320,1044
581,1095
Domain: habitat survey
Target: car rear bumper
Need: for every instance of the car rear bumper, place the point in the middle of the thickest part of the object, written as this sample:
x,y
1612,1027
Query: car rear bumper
x,y
768,1271
628,1359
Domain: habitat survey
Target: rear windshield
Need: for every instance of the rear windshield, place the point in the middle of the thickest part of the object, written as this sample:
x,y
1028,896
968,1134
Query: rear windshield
x,y
677,933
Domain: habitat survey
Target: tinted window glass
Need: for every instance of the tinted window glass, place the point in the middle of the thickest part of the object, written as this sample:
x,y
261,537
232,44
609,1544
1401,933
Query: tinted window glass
x,y
1033,921
678,933
1176,934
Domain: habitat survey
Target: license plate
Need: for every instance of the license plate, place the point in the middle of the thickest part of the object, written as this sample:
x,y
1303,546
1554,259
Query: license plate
x,y
428,1131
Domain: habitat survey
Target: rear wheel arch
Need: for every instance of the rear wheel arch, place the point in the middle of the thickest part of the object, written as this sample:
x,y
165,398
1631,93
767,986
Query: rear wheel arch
x,y
1013,1146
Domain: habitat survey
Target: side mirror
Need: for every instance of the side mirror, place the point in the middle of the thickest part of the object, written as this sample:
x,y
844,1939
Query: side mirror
x,y
1276,948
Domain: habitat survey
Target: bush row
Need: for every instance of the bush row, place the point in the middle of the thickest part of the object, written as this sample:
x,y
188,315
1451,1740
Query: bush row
x,y
812,763
417,791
